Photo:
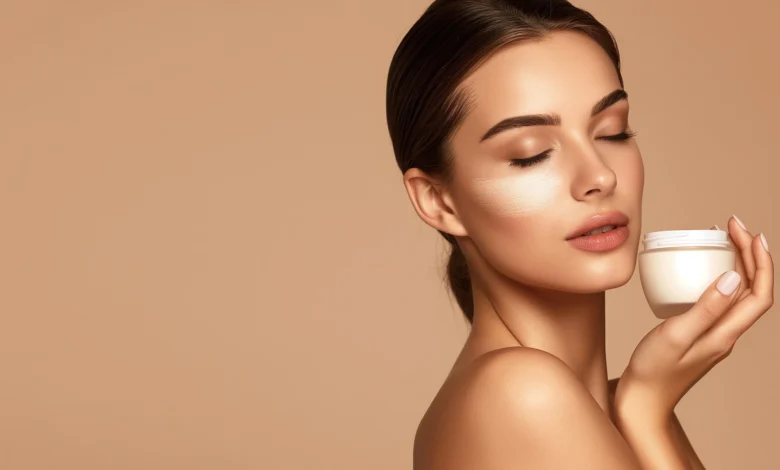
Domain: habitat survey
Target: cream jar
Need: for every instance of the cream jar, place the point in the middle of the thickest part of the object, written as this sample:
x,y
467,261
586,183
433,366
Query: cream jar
x,y
677,266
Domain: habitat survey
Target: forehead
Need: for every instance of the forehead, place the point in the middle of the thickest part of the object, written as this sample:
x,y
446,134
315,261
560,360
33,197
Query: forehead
x,y
564,73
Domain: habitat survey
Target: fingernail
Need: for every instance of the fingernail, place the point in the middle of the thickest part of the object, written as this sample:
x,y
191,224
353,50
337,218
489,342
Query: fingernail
x,y
714,227
739,222
728,283
764,242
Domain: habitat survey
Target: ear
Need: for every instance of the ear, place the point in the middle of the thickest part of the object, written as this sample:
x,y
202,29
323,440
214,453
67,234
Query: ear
x,y
432,202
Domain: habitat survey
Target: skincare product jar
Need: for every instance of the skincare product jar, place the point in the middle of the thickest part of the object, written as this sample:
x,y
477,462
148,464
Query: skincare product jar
x,y
677,266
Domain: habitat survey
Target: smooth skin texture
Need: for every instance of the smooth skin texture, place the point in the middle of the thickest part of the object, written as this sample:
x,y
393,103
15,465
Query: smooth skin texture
x,y
530,387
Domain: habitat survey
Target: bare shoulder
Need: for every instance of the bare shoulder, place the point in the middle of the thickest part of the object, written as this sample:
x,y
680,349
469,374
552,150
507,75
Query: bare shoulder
x,y
517,408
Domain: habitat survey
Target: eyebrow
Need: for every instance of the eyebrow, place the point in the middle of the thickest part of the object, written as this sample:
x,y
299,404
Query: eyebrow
x,y
551,119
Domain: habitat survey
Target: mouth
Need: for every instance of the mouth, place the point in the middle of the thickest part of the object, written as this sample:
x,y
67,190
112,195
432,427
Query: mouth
x,y
600,223
602,232
602,229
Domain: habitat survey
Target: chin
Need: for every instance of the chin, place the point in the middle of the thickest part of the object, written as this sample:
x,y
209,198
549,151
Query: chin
x,y
588,279
594,275
609,274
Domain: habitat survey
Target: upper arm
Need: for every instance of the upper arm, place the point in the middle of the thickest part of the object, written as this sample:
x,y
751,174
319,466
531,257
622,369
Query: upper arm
x,y
524,408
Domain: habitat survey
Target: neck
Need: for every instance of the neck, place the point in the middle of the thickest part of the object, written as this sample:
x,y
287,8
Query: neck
x,y
567,325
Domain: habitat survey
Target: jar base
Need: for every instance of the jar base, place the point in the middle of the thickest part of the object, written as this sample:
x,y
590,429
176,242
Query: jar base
x,y
664,311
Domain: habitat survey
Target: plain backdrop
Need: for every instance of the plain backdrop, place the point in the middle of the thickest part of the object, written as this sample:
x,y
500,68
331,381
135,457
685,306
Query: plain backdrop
x,y
209,259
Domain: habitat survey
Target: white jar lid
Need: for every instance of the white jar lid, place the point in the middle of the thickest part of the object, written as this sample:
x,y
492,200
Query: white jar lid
x,y
682,238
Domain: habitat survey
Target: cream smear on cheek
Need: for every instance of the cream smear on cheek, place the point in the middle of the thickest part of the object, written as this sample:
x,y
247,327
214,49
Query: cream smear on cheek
x,y
518,194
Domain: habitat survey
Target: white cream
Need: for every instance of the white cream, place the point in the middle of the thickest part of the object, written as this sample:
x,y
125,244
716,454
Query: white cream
x,y
518,194
677,266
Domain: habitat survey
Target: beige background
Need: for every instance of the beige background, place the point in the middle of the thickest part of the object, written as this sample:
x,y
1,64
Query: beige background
x,y
209,261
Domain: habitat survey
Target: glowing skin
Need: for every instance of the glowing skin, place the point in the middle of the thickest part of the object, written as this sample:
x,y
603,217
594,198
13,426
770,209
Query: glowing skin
x,y
515,219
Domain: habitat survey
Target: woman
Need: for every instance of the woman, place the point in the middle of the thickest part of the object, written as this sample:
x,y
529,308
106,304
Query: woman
x,y
509,121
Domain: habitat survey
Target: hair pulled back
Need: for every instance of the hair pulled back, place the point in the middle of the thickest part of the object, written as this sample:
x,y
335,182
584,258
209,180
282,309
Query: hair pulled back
x,y
450,40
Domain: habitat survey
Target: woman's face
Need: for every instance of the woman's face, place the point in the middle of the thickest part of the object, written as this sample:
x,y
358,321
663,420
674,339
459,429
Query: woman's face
x,y
519,217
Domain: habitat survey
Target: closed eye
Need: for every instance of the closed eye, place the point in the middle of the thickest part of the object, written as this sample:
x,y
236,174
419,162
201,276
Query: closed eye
x,y
625,135
524,162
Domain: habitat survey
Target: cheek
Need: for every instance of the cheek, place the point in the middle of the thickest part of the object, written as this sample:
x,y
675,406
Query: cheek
x,y
517,195
509,218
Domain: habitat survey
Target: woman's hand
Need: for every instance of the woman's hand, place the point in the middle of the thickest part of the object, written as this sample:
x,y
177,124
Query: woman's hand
x,y
682,349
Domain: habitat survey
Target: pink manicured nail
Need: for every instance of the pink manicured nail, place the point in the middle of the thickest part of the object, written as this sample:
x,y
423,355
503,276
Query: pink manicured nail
x,y
739,222
764,242
728,283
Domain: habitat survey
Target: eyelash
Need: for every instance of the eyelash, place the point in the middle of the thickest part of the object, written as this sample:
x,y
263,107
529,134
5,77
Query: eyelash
x,y
525,162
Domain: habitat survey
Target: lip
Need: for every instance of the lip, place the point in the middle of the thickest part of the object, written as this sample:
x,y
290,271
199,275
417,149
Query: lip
x,y
616,218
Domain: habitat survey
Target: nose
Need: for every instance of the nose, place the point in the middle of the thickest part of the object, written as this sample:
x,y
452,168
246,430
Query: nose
x,y
595,180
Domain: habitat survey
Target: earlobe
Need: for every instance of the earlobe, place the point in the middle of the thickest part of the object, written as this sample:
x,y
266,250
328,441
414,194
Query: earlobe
x,y
432,203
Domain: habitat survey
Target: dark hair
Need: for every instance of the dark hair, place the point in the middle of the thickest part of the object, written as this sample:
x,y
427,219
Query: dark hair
x,y
424,104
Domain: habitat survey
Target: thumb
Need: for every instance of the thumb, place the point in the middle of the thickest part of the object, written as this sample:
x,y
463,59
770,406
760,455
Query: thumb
x,y
708,309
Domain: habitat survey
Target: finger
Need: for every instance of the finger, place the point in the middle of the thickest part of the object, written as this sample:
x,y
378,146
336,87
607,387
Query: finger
x,y
683,330
742,240
748,310
740,268
744,287
736,227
